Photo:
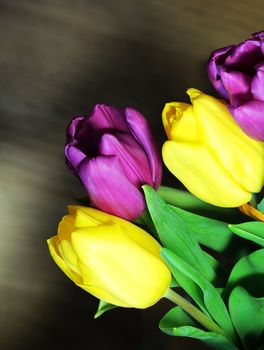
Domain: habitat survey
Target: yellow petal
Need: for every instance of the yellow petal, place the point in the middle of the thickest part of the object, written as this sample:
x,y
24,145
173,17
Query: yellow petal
x,y
239,155
66,226
172,111
52,245
185,127
89,215
197,169
103,295
85,220
116,264
68,255
130,229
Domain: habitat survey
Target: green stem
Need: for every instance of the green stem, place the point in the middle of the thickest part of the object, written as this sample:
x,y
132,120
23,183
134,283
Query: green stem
x,y
195,313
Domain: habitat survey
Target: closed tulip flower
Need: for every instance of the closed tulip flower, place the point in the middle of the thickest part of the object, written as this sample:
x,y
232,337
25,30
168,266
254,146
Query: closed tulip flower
x,y
113,153
110,258
237,73
209,153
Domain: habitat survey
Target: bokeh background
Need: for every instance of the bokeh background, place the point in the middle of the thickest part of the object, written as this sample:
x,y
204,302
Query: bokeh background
x,y
57,59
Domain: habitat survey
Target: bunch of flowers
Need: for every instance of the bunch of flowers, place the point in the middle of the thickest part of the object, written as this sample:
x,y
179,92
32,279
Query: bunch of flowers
x,y
203,249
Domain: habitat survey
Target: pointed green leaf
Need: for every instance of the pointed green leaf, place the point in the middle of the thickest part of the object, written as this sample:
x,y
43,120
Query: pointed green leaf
x,y
174,283
191,288
174,318
247,314
249,274
175,234
253,231
211,298
209,232
260,206
146,219
178,323
103,306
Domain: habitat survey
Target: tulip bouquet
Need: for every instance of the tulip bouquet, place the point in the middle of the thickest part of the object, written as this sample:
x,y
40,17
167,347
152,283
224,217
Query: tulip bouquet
x,y
133,241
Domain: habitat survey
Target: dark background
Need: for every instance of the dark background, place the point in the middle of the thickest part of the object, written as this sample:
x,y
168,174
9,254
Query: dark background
x,y
57,59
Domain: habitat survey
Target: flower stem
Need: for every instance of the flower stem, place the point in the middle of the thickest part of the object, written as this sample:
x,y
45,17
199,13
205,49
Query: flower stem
x,y
195,313
252,212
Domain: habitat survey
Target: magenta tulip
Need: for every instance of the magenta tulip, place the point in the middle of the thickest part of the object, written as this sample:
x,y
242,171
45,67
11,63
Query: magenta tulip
x,y
237,73
113,153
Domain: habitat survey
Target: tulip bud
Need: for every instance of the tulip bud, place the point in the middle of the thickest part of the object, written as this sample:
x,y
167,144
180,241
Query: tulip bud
x,y
237,73
110,258
209,153
114,154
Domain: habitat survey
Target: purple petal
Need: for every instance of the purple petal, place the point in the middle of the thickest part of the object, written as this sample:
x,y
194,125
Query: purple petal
x,y
73,155
73,127
238,86
109,189
244,56
260,37
257,86
140,129
250,117
217,59
131,156
107,117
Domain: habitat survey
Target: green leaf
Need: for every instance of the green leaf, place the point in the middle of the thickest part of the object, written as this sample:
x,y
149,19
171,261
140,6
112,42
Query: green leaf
x,y
247,314
174,283
212,301
178,323
147,221
174,318
175,235
249,274
185,200
103,306
260,206
209,232
253,231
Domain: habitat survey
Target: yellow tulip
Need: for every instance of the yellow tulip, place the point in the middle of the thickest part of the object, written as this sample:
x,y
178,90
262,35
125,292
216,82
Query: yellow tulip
x,y
110,258
209,153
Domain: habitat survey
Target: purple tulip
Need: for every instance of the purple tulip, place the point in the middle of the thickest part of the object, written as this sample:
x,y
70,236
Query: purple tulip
x,y
237,73
113,154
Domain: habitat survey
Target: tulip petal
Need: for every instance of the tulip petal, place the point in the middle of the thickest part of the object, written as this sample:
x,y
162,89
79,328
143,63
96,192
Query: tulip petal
x,y
250,117
109,189
185,122
103,295
260,36
245,167
217,59
131,156
74,155
84,220
66,226
68,255
238,86
141,131
244,56
104,251
52,245
199,171
93,217
107,117
257,86
73,127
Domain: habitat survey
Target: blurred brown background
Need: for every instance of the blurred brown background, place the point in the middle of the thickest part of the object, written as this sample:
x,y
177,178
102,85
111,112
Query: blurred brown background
x,y
57,59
